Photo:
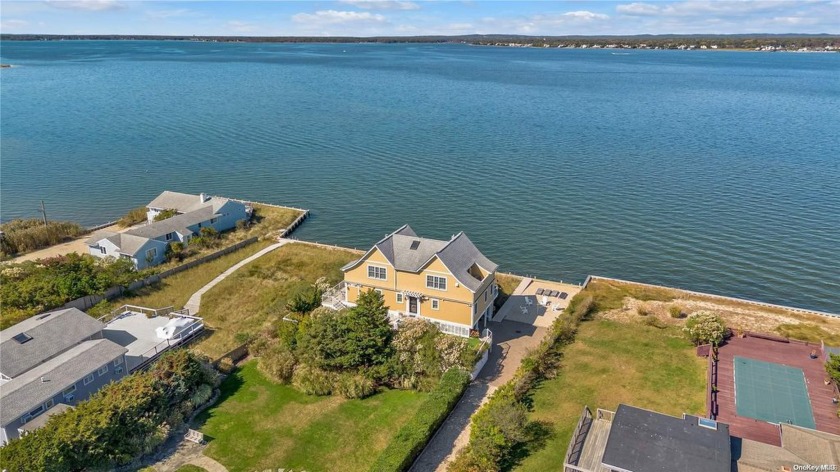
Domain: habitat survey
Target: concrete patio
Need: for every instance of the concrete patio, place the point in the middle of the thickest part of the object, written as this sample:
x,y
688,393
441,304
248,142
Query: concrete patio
x,y
525,306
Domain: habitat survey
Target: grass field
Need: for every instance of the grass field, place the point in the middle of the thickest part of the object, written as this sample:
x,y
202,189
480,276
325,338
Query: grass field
x,y
256,294
259,425
611,363
177,289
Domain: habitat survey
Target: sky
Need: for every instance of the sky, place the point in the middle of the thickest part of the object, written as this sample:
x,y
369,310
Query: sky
x,y
417,17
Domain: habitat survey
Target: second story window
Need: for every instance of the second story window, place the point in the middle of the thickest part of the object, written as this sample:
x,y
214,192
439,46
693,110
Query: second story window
x,y
375,272
170,236
435,282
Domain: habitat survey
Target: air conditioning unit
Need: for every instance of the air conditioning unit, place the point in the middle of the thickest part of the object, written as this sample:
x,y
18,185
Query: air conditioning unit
x,y
69,398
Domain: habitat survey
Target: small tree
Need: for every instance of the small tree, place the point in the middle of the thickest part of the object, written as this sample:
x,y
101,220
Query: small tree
x,y
832,367
165,214
705,327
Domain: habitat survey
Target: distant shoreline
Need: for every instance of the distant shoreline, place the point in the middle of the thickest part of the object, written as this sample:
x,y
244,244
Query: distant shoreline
x,y
738,42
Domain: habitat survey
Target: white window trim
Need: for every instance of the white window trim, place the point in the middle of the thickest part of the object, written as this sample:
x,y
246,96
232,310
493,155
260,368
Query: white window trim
x,y
377,267
435,303
400,297
441,277
117,361
118,370
102,250
88,379
151,253
69,390
49,404
102,370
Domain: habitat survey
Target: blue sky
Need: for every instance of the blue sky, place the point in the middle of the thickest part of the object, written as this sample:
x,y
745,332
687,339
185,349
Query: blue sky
x,y
408,17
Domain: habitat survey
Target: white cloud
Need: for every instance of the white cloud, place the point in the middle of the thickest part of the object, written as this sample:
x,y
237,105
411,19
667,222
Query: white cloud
x,y
334,17
382,4
87,5
13,24
638,9
586,15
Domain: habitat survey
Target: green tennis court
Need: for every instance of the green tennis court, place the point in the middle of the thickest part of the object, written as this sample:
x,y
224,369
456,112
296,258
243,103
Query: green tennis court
x,y
772,392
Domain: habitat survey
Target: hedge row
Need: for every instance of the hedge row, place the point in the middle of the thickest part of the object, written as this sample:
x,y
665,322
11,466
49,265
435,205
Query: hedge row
x,y
413,436
501,424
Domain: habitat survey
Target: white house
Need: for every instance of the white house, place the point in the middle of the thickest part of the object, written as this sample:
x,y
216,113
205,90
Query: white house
x,y
146,245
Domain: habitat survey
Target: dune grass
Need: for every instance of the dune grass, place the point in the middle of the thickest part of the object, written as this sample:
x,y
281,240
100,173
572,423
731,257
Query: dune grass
x,y
808,332
611,363
177,289
259,425
507,284
191,468
256,295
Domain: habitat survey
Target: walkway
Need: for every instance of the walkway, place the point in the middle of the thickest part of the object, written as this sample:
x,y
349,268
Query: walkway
x,y
511,342
194,303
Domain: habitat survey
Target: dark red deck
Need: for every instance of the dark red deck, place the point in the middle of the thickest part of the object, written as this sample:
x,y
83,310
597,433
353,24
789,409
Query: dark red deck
x,y
792,354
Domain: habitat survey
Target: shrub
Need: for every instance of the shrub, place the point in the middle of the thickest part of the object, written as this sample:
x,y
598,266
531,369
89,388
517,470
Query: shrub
x,y
133,217
832,367
305,300
654,322
400,453
166,214
241,224
643,309
201,396
226,365
313,381
278,363
676,311
29,235
496,428
705,327
354,386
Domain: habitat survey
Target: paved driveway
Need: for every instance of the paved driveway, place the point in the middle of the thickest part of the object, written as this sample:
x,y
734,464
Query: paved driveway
x,y
511,341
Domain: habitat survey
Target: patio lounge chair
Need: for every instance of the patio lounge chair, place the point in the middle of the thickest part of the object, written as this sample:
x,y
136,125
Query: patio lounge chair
x,y
563,295
540,291
553,293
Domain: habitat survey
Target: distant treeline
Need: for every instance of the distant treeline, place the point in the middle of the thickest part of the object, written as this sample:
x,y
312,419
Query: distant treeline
x,y
735,41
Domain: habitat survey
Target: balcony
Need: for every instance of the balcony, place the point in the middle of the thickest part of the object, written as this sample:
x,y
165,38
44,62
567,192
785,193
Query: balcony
x,y
335,298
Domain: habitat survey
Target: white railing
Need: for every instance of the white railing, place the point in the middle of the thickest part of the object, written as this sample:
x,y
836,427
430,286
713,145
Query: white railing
x,y
163,346
334,297
129,309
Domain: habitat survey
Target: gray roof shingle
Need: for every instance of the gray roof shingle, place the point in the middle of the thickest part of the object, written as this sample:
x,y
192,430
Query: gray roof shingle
x,y
26,392
646,441
410,253
52,333
184,202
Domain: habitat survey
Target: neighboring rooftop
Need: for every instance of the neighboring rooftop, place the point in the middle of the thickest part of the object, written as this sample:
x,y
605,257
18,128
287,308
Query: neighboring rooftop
x,y
39,338
185,202
48,379
41,420
645,441
410,253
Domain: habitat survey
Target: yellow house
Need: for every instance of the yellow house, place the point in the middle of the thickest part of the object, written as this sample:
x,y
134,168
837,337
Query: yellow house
x,y
449,283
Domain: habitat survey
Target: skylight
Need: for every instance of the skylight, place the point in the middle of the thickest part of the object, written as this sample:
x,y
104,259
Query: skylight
x,y
415,244
22,338
707,423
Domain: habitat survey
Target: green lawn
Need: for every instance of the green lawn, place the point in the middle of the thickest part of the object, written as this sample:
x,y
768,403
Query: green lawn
x,y
611,363
259,425
255,296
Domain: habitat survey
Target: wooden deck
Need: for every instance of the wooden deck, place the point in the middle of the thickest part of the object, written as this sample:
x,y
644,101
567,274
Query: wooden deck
x,y
593,449
792,354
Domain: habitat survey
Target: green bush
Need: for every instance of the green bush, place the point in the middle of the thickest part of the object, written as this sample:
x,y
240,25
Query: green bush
x,y
29,235
133,217
166,214
313,381
121,421
400,453
305,300
654,322
354,386
832,367
278,363
676,311
705,327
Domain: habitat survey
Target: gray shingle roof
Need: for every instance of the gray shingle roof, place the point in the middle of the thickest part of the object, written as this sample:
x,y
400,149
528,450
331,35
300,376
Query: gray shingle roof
x,y
24,393
184,202
176,223
646,441
51,333
407,252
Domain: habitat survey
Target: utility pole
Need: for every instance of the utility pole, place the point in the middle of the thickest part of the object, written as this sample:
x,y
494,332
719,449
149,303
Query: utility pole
x,y
44,212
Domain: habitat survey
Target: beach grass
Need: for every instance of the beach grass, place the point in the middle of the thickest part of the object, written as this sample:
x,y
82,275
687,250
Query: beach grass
x,y
808,332
507,284
258,425
255,296
610,363
177,289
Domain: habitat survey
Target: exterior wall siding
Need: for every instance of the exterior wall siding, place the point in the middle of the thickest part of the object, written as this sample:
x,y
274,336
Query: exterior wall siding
x,y
83,392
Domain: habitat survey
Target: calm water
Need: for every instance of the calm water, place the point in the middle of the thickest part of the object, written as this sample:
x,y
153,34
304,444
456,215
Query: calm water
x,y
717,171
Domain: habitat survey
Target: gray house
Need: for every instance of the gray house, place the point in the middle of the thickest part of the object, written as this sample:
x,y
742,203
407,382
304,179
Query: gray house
x,y
49,363
146,245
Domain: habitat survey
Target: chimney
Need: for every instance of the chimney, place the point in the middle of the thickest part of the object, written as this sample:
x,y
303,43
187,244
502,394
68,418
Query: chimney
x,y
204,197
43,380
